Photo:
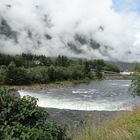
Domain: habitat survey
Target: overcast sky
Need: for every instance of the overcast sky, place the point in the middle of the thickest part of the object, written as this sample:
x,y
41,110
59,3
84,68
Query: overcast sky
x,y
62,19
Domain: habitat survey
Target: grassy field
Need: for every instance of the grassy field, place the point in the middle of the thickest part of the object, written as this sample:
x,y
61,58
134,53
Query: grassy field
x,y
125,127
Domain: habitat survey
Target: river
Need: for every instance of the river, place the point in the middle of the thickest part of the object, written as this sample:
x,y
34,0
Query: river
x,y
107,95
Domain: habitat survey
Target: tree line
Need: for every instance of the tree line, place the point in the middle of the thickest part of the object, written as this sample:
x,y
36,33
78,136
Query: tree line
x,y
27,69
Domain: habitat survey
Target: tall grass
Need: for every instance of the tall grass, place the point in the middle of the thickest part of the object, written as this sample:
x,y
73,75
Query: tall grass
x,y
121,128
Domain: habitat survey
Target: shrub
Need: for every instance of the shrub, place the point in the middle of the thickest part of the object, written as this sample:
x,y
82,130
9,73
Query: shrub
x,y
21,118
135,84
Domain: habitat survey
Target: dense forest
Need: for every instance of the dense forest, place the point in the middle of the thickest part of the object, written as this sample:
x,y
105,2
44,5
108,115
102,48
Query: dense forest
x,y
27,69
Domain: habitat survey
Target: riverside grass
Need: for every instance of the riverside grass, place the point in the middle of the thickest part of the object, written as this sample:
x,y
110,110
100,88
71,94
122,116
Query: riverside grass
x,y
126,127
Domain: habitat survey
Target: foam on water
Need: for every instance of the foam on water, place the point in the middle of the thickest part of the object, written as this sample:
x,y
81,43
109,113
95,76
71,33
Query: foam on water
x,y
75,104
99,96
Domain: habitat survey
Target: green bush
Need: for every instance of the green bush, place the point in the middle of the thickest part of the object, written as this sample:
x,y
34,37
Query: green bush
x,y
135,84
22,119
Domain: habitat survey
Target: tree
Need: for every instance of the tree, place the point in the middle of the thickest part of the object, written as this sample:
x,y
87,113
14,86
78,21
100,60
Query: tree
x,y
135,83
2,74
16,75
86,68
98,70
62,61
51,73
39,75
21,118
111,67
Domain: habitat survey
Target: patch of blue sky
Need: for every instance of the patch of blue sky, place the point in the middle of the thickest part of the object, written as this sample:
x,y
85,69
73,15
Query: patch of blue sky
x,y
127,5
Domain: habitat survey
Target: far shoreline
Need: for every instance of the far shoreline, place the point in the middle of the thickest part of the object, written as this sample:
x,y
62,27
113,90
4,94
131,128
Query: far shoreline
x,y
61,84
57,84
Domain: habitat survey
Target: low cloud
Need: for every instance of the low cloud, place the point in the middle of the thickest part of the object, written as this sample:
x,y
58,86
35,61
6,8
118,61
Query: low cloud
x,y
76,28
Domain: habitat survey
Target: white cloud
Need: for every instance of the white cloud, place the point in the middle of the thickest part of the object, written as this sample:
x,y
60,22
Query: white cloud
x,y
67,18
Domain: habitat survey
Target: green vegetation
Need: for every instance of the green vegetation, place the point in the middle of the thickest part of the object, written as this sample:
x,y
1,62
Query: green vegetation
x,y
26,69
126,127
22,119
135,84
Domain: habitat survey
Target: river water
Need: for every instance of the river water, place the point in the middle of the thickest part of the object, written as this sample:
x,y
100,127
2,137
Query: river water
x,y
107,95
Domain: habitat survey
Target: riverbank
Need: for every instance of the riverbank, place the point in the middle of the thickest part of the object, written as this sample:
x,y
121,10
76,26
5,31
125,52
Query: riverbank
x,y
58,84
75,120
118,77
